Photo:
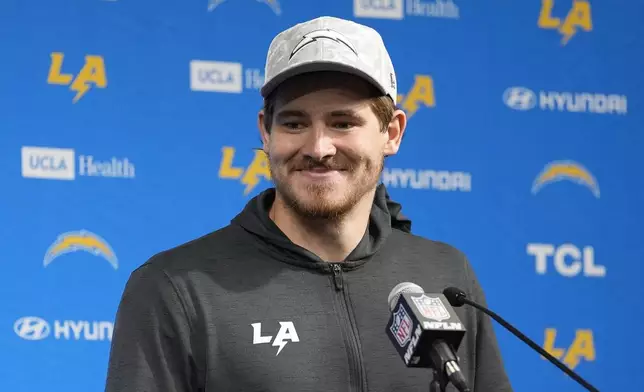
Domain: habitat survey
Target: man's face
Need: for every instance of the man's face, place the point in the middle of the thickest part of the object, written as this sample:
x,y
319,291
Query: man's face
x,y
326,146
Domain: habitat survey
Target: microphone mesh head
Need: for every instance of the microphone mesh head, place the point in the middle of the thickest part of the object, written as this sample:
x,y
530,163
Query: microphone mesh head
x,y
405,287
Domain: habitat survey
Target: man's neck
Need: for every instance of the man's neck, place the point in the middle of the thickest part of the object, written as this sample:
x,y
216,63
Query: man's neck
x,y
330,240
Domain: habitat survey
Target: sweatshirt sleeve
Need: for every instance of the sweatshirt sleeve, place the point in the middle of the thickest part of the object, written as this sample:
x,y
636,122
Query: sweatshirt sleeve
x,y
150,349
490,373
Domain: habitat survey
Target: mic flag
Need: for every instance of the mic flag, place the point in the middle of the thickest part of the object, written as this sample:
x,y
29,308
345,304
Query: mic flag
x,y
417,321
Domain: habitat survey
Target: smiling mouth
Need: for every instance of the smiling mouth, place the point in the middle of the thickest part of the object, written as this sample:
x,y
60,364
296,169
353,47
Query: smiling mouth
x,y
320,169
320,172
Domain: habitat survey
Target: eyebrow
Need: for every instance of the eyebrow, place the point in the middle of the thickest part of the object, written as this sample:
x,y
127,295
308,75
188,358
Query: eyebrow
x,y
344,113
290,113
300,113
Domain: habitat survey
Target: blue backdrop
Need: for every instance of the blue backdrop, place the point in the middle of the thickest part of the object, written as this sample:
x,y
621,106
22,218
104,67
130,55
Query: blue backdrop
x,y
128,127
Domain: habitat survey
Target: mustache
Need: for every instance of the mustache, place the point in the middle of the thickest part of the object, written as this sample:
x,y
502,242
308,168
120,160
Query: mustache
x,y
308,163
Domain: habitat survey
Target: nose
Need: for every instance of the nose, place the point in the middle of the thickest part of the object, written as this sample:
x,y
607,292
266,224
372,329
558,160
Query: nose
x,y
319,144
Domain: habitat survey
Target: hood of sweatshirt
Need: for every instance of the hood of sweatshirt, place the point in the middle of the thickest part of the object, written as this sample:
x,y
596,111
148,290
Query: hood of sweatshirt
x,y
385,216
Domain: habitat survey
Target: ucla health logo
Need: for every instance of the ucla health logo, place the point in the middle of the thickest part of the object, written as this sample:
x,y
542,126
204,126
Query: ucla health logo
x,y
273,4
61,164
565,170
83,240
224,77
397,9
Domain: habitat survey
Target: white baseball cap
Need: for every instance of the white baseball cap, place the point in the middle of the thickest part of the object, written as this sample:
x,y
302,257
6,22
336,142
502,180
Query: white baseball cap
x,y
329,44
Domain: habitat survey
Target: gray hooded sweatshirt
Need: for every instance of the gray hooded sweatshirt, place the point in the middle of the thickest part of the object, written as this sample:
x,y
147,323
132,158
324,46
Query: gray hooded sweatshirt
x,y
245,309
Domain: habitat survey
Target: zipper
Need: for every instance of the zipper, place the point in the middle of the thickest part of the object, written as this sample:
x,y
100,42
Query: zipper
x,y
337,276
358,375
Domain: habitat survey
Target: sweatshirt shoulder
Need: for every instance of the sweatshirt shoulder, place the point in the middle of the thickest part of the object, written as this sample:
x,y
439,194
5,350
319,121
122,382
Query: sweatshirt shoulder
x,y
443,259
196,253
416,243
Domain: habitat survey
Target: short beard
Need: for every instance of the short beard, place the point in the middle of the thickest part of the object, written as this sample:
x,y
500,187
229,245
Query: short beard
x,y
323,211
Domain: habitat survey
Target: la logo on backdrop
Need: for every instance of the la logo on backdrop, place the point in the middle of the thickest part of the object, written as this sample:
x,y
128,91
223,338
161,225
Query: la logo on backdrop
x,y
578,17
92,74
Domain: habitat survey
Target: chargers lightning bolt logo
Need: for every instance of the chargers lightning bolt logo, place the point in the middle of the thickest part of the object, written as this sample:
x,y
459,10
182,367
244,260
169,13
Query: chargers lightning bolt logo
x,y
313,36
84,240
274,4
566,170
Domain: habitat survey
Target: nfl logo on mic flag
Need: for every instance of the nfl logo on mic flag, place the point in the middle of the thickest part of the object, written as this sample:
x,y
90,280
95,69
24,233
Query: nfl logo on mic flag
x,y
421,317
401,326
431,308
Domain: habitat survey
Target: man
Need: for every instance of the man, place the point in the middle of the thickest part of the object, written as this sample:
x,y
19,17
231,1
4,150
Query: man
x,y
292,295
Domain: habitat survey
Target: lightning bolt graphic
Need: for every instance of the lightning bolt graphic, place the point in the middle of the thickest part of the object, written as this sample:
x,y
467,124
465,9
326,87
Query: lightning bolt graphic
x,y
80,88
250,182
212,4
281,345
313,36
567,37
274,4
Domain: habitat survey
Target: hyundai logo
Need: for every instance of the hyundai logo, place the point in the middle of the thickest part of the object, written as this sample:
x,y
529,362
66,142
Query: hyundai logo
x,y
519,98
31,328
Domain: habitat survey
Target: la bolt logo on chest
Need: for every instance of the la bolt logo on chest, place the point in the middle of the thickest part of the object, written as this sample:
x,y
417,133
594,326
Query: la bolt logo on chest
x,y
286,333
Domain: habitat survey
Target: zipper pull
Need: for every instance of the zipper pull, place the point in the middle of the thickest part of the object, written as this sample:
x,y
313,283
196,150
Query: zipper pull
x,y
337,276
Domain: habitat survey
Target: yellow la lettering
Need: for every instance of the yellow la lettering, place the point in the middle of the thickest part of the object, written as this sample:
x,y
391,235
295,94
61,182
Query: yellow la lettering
x,y
546,21
55,77
226,169
259,167
582,347
579,15
421,92
549,344
93,71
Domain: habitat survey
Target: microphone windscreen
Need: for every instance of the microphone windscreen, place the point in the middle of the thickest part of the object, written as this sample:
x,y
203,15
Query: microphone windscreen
x,y
399,289
454,296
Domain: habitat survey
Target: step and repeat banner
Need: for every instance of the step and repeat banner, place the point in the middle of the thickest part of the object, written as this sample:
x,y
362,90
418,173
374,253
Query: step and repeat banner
x,y
129,127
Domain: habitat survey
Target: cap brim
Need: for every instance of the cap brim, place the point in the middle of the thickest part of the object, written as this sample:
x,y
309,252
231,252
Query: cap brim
x,y
316,66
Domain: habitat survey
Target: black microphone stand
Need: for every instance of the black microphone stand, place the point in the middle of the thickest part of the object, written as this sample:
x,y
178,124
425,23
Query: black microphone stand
x,y
445,364
439,383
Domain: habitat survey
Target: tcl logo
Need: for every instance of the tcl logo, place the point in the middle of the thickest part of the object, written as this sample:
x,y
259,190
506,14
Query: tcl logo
x,y
567,259
31,328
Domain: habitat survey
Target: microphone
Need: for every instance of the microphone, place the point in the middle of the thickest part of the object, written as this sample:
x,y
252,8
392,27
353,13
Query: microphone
x,y
426,332
457,298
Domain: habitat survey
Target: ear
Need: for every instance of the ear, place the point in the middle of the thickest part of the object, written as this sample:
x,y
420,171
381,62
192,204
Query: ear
x,y
395,132
263,133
